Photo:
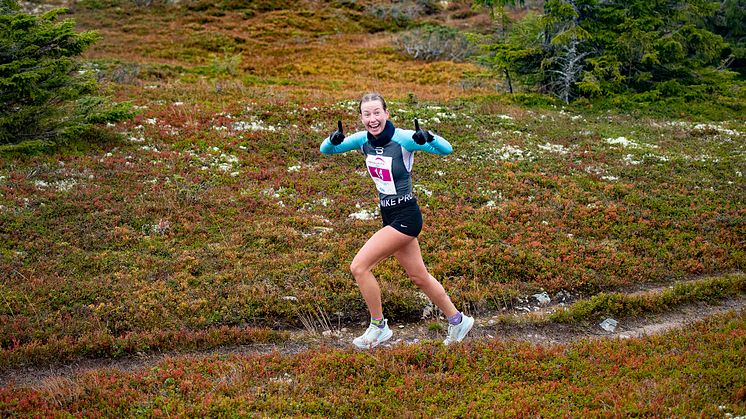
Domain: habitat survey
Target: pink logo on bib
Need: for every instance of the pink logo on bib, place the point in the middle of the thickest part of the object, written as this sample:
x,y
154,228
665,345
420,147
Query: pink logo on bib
x,y
376,171
380,173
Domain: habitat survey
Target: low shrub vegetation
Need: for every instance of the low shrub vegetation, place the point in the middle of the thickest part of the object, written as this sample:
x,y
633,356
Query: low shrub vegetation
x,y
432,43
682,373
622,305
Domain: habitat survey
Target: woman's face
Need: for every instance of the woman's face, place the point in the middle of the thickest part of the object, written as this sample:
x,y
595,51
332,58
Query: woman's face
x,y
374,117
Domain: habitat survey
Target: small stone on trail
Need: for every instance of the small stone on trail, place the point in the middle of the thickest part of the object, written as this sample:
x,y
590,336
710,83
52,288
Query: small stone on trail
x,y
543,298
608,325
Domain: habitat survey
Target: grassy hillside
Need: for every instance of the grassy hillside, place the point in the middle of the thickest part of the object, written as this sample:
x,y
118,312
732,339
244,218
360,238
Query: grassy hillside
x,y
212,217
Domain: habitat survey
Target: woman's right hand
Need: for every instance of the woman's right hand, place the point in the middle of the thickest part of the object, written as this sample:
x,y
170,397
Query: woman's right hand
x,y
337,136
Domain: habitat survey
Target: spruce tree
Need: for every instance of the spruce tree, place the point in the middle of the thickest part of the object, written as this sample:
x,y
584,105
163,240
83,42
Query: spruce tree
x,y
656,48
730,23
46,94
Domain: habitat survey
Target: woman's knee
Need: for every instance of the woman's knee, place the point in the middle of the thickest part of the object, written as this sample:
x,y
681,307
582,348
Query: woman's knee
x,y
358,269
420,279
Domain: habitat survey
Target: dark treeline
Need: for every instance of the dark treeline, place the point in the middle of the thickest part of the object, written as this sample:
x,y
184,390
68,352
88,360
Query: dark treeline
x,y
594,48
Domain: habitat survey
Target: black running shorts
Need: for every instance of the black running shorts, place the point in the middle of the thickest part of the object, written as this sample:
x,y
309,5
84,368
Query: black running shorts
x,y
405,218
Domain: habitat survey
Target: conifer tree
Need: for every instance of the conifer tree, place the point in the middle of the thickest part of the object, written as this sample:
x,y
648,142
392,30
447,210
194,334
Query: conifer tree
x,y
46,94
600,48
654,43
730,23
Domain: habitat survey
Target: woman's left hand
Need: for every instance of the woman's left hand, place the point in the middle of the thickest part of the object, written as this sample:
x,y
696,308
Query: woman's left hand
x,y
421,136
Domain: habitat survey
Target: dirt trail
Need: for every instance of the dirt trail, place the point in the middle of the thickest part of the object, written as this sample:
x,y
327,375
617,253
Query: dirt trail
x,y
486,327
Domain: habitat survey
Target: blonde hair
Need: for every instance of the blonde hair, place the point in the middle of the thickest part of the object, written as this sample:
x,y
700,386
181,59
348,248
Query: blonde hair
x,y
370,97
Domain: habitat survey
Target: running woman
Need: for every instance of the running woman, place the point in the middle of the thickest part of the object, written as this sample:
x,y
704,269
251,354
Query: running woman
x,y
389,154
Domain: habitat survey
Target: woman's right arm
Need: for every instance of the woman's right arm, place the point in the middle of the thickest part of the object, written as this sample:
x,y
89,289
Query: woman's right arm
x,y
352,142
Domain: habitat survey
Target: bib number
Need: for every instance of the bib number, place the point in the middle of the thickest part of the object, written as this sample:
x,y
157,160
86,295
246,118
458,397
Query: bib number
x,y
379,168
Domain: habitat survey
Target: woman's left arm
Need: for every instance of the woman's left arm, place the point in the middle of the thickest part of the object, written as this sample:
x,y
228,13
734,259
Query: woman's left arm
x,y
438,145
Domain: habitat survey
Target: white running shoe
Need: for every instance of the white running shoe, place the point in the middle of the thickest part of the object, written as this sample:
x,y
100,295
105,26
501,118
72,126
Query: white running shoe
x,y
374,336
458,332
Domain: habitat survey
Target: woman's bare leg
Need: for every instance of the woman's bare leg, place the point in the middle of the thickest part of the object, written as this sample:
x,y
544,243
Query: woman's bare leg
x,y
384,243
410,257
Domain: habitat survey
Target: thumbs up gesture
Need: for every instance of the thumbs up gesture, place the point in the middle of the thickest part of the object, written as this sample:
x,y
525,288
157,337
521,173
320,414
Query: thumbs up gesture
x,y
337,136
421,136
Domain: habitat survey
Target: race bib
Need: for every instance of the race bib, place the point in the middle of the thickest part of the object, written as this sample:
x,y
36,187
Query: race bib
x,y
379,168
